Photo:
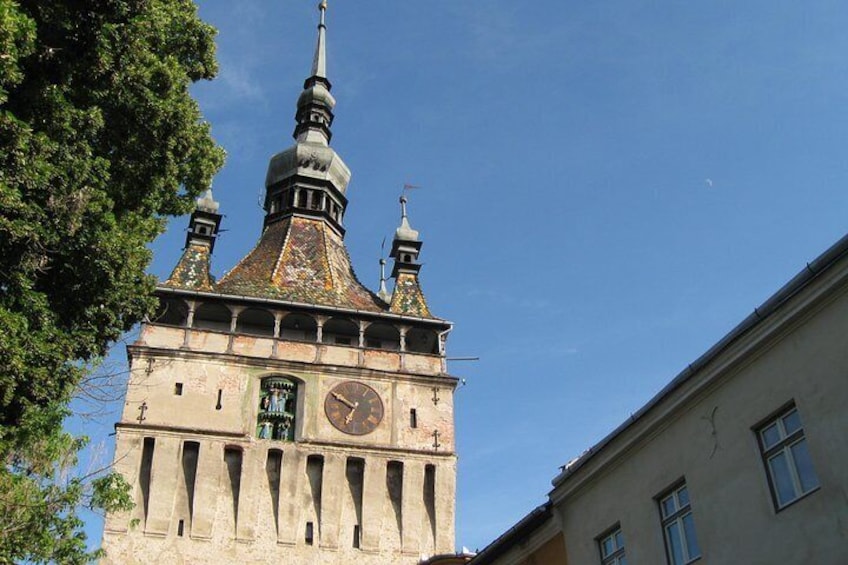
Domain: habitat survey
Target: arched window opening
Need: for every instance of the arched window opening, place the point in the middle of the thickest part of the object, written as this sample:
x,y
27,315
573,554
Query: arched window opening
x,y
340,331
171,312
382,336
422,341
299,327
212,317
254,321
277,408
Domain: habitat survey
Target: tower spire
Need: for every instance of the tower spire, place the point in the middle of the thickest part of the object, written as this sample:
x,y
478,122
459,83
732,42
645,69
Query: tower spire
x,y
319,64
315,105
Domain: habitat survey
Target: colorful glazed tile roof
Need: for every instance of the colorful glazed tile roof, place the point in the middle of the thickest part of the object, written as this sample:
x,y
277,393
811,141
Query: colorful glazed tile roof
x,y
302,260
408,298
192,270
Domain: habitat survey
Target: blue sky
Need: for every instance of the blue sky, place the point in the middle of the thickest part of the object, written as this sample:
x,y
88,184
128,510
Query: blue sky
x,y
608,188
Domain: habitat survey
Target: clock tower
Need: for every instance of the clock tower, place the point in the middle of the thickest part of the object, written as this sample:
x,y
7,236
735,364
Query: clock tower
x,y
286,413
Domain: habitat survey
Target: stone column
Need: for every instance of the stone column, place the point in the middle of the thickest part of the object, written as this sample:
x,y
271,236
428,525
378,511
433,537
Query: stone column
x,y
207,488
331,499
192,306
163,482
252,487
320,320
292,483
373,499
412,506
128,449
278,319
445,496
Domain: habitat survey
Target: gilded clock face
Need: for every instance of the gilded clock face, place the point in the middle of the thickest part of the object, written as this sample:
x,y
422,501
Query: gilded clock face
x,y
354,408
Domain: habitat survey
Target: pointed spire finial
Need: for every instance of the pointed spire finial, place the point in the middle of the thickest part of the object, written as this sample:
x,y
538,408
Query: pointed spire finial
x,y
207,203
319,64
405,231
383,293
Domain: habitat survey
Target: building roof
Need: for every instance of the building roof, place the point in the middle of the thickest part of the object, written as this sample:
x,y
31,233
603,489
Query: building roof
x,y
192,270
301,260
811,272
515,535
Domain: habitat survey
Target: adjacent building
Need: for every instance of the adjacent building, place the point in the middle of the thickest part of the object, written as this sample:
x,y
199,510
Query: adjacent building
x,y
285,413
740,459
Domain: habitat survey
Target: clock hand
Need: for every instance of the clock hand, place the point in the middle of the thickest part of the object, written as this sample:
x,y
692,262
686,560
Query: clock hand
x,y
350,414
344,400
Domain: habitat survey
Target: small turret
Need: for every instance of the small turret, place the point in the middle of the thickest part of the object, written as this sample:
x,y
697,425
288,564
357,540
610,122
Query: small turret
x,y
193,268
407,297
204,222
406,246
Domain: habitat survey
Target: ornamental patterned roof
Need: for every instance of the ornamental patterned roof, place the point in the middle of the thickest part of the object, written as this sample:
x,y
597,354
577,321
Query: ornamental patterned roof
x,y
192,270
302,260
408,298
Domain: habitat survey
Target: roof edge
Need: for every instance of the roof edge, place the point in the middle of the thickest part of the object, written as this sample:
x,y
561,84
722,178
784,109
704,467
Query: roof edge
x,y
293,304
514,535
795,285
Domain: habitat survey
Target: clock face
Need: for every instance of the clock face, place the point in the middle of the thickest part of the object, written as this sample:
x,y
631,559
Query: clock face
x,y
354,408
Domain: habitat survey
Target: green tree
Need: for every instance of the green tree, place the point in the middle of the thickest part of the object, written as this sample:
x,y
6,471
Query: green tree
x,y
100,141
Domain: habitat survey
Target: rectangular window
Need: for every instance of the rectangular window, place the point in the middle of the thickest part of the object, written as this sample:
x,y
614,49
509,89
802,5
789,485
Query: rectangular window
x,y
309,537
611,545
681,544
787,459
413,418
178,389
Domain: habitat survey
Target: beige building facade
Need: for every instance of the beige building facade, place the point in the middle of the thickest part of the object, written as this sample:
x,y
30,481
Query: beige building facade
x,y
286,413
740,459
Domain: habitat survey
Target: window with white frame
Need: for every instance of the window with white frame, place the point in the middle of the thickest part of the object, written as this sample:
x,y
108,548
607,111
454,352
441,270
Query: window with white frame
x,y
681,543
787,459
611,545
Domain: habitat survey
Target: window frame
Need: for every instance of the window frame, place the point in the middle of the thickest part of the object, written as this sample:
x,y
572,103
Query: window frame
x,y
677,517
783,446
618,555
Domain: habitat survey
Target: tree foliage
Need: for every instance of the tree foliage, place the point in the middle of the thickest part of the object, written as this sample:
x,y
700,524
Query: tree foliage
x,y
100,141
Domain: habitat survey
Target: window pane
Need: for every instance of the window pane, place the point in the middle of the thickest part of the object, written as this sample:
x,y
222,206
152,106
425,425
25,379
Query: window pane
x,y
675,545
804,466
619,540
683,497
792,422
606,547
782,478
771,435
668,507
691,539
622,560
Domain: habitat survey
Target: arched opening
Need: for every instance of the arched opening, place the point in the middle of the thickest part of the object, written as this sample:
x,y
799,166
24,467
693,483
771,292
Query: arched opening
x,y
299,327
277,409
215,317
422,341
340,331
171,312
382,336
254,321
